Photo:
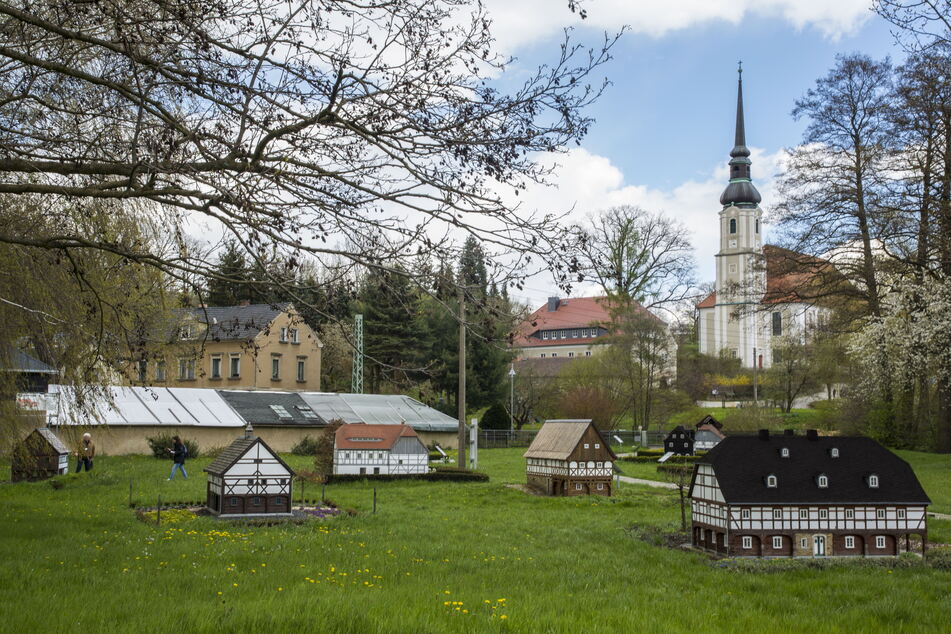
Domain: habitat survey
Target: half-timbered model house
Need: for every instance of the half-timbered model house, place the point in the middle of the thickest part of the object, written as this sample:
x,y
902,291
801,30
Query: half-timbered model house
x,y
39,456
806,496
570,457
249,479
379,450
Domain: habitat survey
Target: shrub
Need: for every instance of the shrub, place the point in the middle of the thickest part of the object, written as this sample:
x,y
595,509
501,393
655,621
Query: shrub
x,y
496,417
160,444
674,469
307,446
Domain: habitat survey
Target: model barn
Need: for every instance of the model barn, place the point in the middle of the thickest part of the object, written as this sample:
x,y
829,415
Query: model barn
x,y
806,496
379,450
39,456
249,479
570,457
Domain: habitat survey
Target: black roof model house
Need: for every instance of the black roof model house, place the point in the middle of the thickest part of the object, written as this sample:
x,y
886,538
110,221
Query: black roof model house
x,y
806,496
39,456
679,442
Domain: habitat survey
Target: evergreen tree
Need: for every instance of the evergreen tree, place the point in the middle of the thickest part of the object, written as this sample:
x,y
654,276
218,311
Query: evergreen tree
x,y
231,287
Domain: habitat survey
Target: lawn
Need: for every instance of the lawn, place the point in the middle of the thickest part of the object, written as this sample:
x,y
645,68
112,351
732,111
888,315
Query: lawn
x,y
436,557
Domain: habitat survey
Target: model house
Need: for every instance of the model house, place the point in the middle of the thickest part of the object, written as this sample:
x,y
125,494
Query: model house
x,y
39,456
570,457
249,479
806,496
379,450
706,437
679,441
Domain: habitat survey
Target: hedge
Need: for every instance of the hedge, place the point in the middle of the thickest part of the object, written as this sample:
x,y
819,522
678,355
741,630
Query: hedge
x,y
443,474
643,459
673,469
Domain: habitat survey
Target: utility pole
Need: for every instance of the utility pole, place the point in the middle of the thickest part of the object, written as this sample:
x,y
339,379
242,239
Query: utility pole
x,y
755,384
461,398
356,382
512,399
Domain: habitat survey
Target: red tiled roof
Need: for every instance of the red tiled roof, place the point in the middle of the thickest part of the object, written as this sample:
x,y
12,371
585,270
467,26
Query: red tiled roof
x,y
572,312
709,302
384,436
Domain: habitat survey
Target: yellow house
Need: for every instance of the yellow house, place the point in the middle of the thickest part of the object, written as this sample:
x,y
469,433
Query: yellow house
x,y
253,346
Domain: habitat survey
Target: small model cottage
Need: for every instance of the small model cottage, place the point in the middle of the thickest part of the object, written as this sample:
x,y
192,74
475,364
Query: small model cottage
x,y
379,450
39,456
570,457
679,441
707,437
249,479
806,496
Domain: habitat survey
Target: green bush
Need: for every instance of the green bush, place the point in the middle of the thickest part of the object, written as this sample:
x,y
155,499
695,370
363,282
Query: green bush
x,y
160,445
674,469
307,446
640,458
496,417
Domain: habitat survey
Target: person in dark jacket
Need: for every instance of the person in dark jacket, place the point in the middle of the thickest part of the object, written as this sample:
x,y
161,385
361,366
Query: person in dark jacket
x,y
179,453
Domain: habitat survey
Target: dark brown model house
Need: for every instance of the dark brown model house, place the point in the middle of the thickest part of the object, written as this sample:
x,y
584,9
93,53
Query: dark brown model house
x,y
249,479
39,456
806,496
569,457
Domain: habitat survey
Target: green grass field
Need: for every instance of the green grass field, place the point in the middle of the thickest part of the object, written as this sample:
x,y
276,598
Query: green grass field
x,y
436,557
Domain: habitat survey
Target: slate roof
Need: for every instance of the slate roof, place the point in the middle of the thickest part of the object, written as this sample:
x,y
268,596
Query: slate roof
x,y
229,323
233,452
742,463
256,407
387,434
709,420
20,361
558,438
387,409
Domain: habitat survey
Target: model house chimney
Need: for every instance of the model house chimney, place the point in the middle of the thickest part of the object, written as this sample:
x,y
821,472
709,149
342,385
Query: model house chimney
x,y
764,434
249,431
812,434
553,304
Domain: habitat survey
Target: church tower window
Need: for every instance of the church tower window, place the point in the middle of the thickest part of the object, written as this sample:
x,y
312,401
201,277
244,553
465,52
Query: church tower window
x,y
732,225
757,225
777,324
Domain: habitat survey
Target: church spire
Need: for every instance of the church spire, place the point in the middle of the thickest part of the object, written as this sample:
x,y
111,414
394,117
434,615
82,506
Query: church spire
x,y
740,191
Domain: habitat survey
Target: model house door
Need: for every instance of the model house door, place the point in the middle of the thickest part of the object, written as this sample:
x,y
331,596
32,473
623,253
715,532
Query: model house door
x,y
819,545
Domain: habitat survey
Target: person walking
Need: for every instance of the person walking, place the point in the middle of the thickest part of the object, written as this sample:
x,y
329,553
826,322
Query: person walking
x,y
179,452
85,453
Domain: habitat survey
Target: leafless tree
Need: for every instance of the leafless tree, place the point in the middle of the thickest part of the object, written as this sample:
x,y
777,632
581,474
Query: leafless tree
x,y
919,23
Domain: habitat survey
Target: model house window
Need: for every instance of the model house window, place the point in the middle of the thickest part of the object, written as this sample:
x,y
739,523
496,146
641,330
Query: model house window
x,y
300,370
777,514
823,482
275,367
901,514
784,452
771,481
554,354
879,541
279,500
186,369
849,514
295,335
600,486
880,513
834,452
587,446
233,501
745,514
849,542
803,514
160,371
747,542
587,353
577,486
234,371
732,225
803,543
256,501
216,367
724,539
823,514
283,335
777,542
542,355
600,465
873,481
777,324
597,445
250,482
571,354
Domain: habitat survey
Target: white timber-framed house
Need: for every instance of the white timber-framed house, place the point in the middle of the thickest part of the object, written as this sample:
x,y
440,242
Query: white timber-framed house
x,y
362,449
570,457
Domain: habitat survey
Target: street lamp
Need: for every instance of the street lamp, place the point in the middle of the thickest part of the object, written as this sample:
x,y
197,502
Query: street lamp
x,y
512,399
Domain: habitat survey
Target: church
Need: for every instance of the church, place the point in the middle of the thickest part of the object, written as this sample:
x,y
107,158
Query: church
x,y
759,289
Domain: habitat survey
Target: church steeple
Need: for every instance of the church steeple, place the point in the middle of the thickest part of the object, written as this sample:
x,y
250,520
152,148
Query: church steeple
x,y
740,191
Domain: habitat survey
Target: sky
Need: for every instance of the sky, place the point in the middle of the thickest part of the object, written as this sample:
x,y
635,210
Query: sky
x,y
664,128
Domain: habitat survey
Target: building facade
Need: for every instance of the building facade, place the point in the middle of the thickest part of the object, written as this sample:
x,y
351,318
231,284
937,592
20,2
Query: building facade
x,y
362,449
570,457
812,496
249,479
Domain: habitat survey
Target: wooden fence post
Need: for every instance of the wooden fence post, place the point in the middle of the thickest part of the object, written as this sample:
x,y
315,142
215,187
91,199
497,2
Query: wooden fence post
x,y
374,499
158,512
130,492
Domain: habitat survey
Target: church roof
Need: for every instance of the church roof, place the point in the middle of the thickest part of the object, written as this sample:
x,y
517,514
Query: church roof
x,y
740,191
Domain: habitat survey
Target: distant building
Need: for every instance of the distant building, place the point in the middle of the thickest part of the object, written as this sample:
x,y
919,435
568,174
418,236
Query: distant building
x,y
379,450
249,479
570,457
39,456
679,441
806,496
30,375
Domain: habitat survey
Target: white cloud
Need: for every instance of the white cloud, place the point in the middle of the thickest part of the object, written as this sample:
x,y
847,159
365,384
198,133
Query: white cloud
x,y
521,22
585,183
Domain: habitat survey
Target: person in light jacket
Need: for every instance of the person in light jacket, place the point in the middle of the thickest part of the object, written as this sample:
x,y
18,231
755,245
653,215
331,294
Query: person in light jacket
x,y
179,453
85,453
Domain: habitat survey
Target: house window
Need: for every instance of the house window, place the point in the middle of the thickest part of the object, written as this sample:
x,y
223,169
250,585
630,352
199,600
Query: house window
x,y
879,541
235,370
747,542
564,334
283,335
834,452
301,375
777,514
279,500
554,354
873,481
216,367
574,334
275,368
771,481
587,353
777,542
160,371
732,268
185,332
823,514
901,514
849,542
600,486
745,514
186,369
577,486
143,370
295,335
281,412
597,445
250,482
777,324
256,501
784,452
880,514
233,501
542,355
849,514
823,482
803,514
600,465
732,225
584,333
571,354
587,446
544,334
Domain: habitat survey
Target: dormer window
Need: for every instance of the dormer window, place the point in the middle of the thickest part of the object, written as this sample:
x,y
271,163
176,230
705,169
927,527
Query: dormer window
x,y
771,481
732,225
823,481
834,452
784,452
873,481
